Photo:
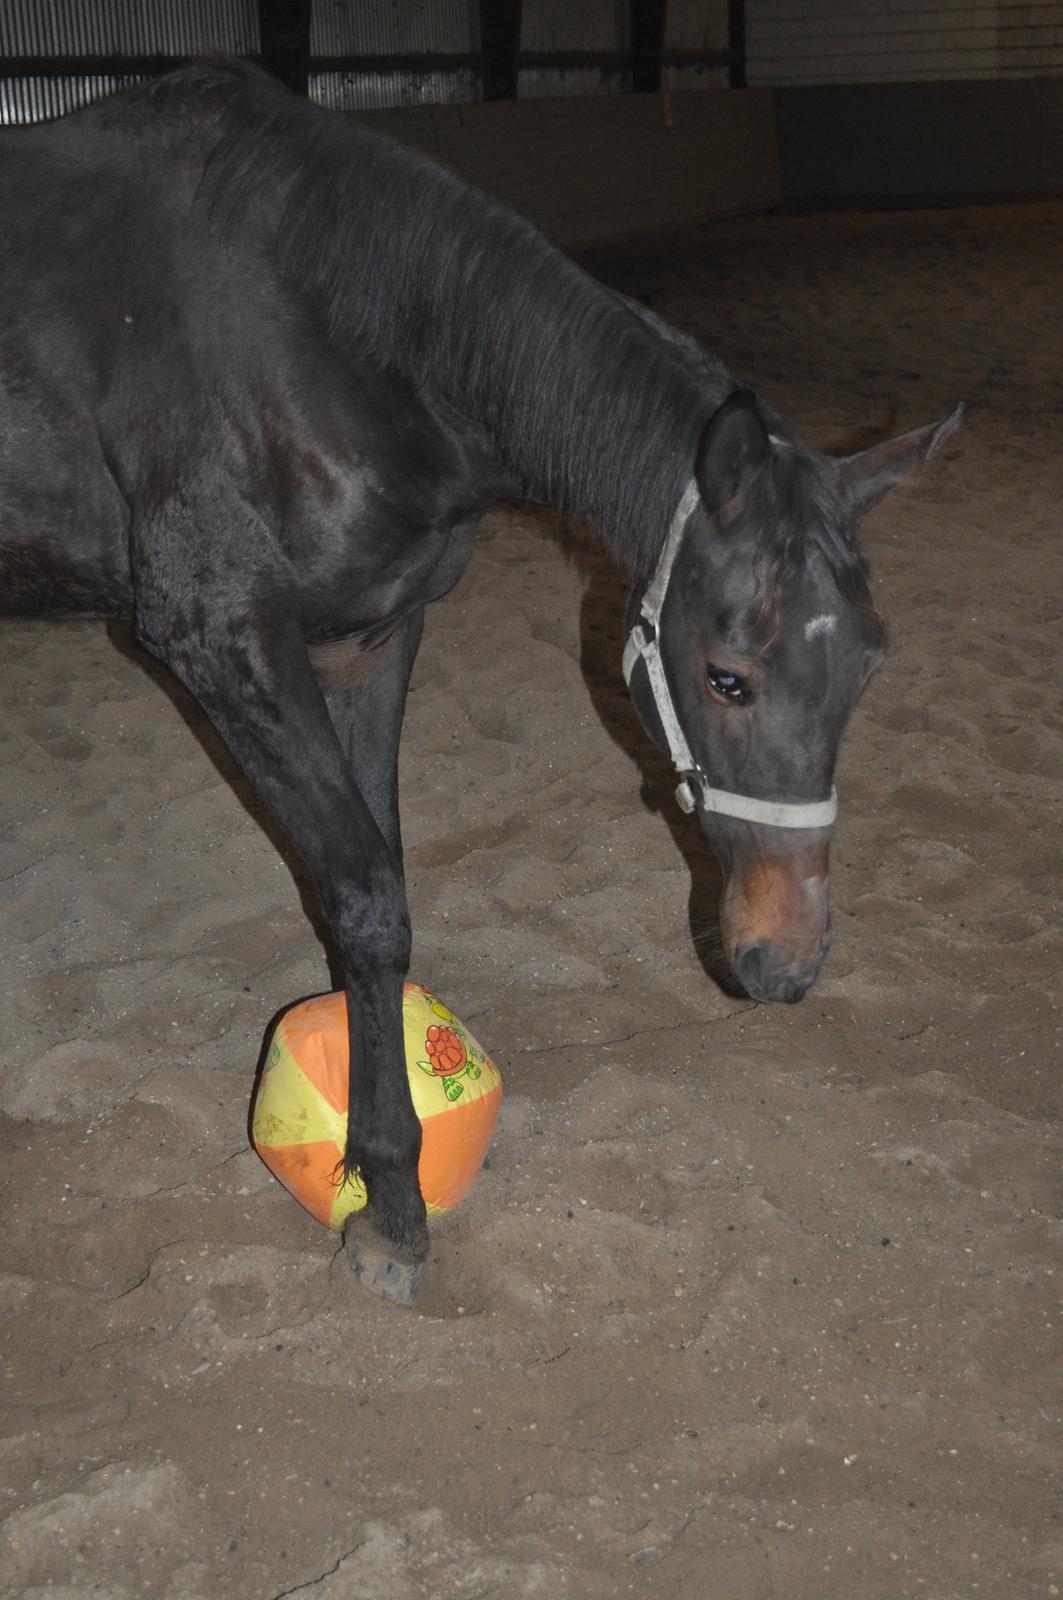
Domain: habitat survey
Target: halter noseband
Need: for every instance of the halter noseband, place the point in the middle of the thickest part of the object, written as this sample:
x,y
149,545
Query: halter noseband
x,y
644,643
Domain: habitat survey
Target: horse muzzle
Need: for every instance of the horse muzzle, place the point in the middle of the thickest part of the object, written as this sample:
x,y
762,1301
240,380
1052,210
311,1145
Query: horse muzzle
x,y
766,974
775,922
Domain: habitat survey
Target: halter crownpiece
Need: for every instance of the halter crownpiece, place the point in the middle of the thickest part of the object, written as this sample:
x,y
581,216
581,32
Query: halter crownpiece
x,y
643,643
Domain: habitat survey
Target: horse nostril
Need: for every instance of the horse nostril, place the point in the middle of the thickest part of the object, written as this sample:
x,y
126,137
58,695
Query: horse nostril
x,y
791,990
763,971
753,967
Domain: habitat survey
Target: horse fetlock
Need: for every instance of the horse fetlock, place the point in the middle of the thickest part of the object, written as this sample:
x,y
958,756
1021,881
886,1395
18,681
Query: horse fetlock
x,y
386,1161
404,1225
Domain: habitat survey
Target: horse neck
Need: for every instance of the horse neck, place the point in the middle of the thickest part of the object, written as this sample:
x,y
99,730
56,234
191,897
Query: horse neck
x,y
596,414
594,410
589,407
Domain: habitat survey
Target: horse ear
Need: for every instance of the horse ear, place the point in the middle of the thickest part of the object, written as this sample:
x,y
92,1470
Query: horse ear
x,y
732,450
865,478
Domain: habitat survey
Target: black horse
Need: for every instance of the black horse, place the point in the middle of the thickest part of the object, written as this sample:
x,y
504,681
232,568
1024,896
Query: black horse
x,y
262,370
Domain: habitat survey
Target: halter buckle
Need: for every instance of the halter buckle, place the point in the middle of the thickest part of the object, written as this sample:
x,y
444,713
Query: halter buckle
x,y
685,797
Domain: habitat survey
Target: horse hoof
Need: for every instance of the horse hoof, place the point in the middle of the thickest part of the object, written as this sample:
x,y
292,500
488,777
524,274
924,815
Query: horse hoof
x,y
378,1266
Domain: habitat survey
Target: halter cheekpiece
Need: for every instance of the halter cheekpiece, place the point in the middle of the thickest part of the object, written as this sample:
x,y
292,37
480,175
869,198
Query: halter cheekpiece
x,y
643,643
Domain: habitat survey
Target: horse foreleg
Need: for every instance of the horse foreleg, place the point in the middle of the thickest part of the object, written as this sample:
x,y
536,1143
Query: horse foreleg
x,y
238,647
366,694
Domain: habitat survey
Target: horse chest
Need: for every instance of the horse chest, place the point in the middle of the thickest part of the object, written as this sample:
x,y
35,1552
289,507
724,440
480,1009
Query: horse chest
x,y
372,582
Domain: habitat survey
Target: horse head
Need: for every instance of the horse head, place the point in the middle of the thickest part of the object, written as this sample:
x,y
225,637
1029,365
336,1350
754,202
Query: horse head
x,y
747,652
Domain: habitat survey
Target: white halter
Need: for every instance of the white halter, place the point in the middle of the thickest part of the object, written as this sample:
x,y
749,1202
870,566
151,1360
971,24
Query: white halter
x,y
695,788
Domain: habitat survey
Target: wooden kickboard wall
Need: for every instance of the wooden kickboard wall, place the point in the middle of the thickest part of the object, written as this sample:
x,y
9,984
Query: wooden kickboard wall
x,y
594,168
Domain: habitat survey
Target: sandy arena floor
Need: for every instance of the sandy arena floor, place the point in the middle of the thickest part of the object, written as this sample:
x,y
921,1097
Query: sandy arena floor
x,y
752,1302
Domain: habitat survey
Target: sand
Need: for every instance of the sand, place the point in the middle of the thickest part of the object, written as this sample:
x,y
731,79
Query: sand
x,y
752,1301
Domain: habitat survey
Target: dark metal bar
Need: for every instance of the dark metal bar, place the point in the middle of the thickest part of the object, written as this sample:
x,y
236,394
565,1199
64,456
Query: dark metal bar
x,y
574,59
284,31
563,59
430,61
86,66
500,29
736,42
647,19
695,58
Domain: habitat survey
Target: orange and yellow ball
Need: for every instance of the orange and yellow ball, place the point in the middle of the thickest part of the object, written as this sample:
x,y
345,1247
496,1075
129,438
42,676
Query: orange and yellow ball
x,y
299,1123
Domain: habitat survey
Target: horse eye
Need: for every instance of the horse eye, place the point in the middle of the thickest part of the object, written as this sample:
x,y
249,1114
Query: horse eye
x,y
728,685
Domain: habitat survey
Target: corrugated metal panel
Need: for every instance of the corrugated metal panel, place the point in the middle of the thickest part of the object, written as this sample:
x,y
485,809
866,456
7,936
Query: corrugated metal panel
x,y
792,42
117,27
380,28
554,83
675,80
550,25
696,25
129,30
71,31
32,99
394,27
373,91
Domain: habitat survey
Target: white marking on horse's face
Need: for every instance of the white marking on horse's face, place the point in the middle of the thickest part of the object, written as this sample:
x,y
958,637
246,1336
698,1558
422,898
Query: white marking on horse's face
x,y
824,623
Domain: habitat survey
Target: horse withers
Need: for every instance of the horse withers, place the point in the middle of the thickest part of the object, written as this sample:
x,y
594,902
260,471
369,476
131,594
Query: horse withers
x,y
261,372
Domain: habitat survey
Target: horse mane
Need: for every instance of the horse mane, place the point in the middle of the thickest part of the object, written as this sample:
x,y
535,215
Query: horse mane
x,y
408,265
594,402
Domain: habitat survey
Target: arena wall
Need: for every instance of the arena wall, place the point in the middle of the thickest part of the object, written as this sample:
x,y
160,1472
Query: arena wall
x,y
589,169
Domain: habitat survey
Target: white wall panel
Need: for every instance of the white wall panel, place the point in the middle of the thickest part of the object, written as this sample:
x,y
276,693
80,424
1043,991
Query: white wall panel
x,y
881,41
